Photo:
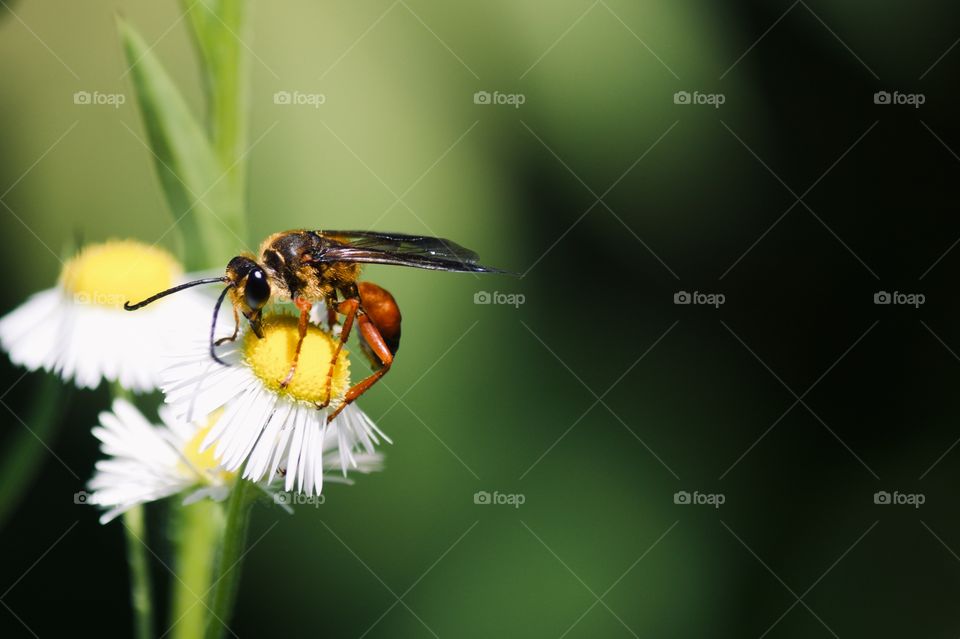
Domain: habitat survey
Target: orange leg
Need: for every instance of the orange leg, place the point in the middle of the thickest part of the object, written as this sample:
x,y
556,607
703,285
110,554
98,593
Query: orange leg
x,y
331,313
371,335
304,305
348,307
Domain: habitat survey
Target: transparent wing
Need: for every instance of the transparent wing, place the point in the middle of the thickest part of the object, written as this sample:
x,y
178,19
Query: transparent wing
x,y
418,251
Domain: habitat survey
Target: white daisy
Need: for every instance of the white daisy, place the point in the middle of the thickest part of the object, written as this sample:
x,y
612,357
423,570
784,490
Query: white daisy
x,y
268,426
147,462
79,330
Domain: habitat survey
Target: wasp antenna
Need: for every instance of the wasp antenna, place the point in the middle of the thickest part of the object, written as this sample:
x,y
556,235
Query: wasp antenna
x,y
127,306
213,325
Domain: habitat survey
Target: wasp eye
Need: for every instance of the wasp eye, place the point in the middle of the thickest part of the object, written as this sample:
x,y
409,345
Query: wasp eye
x,y
257,290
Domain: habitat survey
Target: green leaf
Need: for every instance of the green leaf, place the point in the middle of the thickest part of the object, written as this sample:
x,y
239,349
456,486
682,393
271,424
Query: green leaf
x,y
207,209
219,29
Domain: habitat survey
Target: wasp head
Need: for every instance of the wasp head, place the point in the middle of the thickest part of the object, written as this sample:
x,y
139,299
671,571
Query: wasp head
x,y
249,289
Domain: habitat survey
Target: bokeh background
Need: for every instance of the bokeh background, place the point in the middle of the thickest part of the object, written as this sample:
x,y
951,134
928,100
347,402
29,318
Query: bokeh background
x,y
599,398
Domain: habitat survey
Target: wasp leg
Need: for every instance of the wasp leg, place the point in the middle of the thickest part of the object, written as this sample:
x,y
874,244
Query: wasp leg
x,y
370,355
304,305
332,319
371,335
349,307
236,329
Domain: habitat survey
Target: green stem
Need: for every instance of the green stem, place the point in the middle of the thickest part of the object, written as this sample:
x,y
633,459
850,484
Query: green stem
x,y
26,450
141,597
135,526
195,531
231,555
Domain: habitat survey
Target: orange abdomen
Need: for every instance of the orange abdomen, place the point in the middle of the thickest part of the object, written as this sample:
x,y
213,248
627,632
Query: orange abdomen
x,y
383,311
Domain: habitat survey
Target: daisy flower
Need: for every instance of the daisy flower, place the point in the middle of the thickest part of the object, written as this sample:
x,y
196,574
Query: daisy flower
x,y
79,330
146,462
266,425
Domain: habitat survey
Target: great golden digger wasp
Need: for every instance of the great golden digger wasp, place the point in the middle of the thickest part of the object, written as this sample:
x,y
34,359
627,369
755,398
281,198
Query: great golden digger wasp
x,y
312,267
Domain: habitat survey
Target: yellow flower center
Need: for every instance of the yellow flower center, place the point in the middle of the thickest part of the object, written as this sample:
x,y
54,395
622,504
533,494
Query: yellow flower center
x,y
205,463
271,358
117,271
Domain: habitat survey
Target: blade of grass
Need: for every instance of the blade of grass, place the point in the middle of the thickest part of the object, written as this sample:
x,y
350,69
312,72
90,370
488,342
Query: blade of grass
x,y
220,30
208,211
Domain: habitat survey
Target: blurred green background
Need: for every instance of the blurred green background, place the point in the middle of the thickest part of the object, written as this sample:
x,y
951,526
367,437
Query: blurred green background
x,y
598,398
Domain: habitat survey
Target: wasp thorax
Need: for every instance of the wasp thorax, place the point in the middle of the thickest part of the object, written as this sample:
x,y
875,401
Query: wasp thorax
x,y
113,272
269,357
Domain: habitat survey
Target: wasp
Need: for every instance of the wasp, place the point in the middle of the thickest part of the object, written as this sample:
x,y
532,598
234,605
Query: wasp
x,y
323,267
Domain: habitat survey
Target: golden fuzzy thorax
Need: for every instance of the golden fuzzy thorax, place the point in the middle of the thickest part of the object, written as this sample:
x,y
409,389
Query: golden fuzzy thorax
x,y
270,240
286,254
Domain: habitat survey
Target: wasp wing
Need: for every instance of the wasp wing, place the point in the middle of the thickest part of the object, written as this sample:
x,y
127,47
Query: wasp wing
x,y
400,249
